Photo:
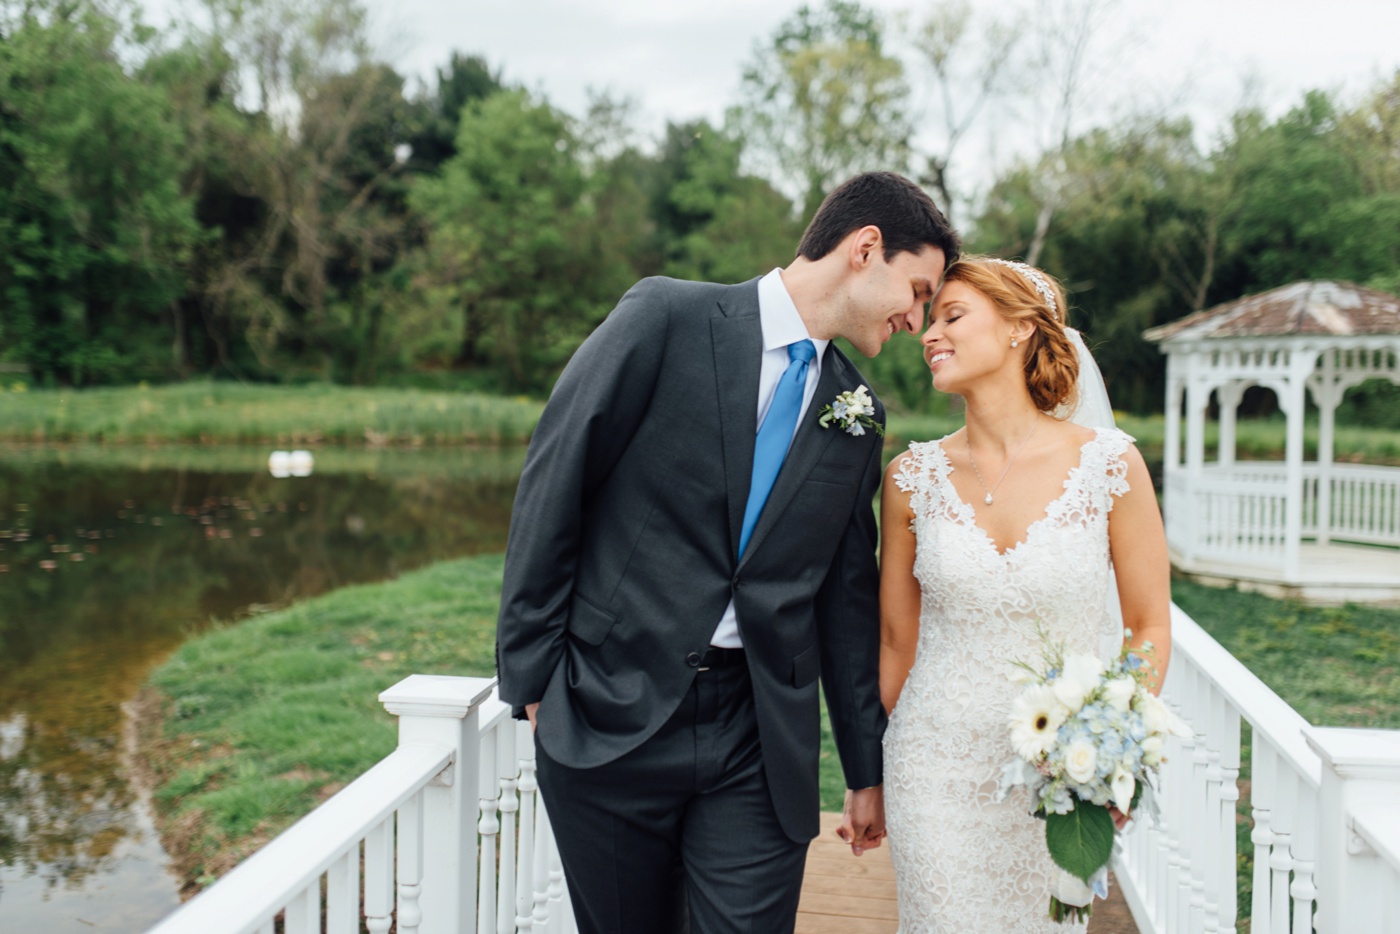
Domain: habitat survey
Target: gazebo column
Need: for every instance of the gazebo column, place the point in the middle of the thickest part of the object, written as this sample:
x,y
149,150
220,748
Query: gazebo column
x,y
1229,395
1197,399
1327,390
1171,443
1294,404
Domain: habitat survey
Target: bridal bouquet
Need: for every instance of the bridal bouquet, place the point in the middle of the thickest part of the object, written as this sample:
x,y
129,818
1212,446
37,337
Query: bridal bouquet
x,y
1086,736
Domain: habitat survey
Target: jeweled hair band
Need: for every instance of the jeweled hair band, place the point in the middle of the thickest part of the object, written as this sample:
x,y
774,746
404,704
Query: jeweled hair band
x,y
1035,278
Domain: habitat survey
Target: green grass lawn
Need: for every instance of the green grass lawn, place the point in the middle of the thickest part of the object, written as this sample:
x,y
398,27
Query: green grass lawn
x,y
227,413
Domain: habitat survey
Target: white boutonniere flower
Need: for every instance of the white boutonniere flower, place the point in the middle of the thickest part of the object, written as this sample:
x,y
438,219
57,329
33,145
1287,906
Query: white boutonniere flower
x,y
852,411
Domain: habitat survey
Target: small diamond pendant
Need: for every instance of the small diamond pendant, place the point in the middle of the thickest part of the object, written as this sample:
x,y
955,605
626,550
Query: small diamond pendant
x,y
988,500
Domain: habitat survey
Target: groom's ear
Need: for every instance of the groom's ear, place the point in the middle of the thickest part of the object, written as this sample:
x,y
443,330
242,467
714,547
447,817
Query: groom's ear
x,y
863,246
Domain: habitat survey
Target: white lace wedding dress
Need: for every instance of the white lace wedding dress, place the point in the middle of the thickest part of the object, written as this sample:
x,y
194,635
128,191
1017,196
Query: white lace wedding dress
x,y
964,862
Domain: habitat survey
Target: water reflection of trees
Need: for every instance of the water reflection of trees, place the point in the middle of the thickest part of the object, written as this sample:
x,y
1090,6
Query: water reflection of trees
x,y
164,552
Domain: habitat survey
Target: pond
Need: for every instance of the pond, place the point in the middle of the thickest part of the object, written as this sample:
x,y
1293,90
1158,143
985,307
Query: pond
x,y
109,559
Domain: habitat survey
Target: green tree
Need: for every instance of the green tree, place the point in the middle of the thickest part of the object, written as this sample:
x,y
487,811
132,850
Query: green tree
x,y
720,224
824,100
94,230
508,244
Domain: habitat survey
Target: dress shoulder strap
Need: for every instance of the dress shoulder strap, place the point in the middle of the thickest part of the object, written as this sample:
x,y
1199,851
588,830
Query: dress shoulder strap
x,y
924,469
1104,464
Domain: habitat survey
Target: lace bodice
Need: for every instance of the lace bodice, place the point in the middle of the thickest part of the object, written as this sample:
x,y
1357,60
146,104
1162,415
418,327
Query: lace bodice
x,y
964,862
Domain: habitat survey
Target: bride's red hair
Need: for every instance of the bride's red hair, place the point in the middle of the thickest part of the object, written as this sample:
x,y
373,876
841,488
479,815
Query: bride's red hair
x,y
1052,365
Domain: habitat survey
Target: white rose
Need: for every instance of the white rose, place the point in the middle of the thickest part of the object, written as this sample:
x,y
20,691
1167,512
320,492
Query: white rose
x,y
1119,693
1122,786
1078,680
1081,761
1152,751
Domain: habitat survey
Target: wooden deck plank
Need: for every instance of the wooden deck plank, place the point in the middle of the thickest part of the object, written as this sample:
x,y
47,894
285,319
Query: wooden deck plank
x,y
847,894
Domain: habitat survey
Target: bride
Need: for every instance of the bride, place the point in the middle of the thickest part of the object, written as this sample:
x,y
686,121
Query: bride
x,y
1019,519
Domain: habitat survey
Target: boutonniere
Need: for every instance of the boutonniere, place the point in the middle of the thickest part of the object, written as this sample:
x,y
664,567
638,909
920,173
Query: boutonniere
x,y
852,411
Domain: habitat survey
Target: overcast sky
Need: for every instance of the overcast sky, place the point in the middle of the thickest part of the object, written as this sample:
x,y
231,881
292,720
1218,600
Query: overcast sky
x,y
681,59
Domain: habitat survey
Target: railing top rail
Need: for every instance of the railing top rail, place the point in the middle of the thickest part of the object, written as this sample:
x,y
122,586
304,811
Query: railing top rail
x,y
493,711
1379,826
1268,713
1310,468
261,885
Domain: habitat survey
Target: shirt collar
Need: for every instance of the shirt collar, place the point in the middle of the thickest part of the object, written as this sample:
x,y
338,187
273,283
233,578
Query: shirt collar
x,y
781,323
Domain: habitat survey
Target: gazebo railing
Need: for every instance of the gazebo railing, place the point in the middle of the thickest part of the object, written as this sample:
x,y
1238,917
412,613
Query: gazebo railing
x,y
1365,505
1237,512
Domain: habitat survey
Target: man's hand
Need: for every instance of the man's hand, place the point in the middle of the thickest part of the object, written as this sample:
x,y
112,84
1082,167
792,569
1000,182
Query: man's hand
x,y
530,710
863,821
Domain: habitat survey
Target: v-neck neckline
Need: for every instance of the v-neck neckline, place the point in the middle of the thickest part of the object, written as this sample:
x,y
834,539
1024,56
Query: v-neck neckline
x,y
967,514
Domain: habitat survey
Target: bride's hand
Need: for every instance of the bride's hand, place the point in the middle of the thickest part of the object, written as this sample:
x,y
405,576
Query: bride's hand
x,y
863,819
1120,820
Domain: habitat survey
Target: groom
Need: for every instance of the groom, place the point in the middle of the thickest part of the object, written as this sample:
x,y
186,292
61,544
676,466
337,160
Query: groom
x,y
689,550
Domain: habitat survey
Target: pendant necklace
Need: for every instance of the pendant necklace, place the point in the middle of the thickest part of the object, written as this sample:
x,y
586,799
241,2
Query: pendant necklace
x,y
1009,462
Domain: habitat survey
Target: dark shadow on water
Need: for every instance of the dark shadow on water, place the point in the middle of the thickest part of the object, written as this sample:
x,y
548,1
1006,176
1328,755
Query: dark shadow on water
x,y
108,563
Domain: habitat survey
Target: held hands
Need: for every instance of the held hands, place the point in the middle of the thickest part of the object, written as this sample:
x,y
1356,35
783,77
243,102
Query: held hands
x,y
863,820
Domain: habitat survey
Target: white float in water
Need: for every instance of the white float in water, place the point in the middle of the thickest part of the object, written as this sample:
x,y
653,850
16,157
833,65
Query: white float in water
x,y
290,463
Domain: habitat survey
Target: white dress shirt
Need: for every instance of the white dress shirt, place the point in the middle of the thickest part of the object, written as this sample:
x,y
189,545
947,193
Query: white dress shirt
x,y
782,325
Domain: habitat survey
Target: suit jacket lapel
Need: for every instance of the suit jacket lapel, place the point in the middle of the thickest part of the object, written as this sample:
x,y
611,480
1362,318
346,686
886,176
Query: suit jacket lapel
x,y
808,445
737,340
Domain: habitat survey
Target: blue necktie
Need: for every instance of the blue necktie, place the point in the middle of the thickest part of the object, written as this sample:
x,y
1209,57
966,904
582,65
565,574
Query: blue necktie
x,y
775,435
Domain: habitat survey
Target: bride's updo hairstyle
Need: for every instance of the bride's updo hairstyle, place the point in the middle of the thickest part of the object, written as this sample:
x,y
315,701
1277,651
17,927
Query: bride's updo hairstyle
x,y
1052,365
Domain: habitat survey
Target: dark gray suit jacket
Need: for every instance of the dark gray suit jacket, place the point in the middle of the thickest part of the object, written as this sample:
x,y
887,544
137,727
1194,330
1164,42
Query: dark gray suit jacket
x,y
621,557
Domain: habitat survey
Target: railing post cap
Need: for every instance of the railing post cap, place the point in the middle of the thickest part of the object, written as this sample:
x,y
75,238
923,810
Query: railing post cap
x,y
1357,753
436,695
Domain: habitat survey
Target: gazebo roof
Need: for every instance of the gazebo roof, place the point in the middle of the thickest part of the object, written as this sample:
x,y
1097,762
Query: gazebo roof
x,y
1303,309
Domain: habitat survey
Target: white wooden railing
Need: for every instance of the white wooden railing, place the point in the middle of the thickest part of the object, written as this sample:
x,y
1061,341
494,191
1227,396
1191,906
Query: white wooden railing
x,y
447,835
1324,812
1238,512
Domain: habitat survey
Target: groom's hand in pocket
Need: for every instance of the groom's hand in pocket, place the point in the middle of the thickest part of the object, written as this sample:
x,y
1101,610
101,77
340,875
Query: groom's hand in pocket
x,y
530,711
863,822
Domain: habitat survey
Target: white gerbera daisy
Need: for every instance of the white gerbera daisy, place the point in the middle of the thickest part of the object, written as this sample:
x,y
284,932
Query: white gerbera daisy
x,y
1036,715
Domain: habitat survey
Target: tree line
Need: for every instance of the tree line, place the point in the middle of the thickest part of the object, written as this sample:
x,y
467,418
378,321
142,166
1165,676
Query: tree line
x,y
254,194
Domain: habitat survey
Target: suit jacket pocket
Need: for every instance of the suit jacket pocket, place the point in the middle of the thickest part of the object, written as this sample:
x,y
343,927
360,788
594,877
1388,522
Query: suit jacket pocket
x,y
805,668
842,474
588,623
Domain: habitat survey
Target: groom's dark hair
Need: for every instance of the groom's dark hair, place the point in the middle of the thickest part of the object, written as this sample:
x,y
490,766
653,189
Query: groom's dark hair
x,y
907,217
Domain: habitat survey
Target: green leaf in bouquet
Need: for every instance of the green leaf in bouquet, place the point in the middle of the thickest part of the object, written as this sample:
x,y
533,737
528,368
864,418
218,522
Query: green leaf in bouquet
x,y
1080,841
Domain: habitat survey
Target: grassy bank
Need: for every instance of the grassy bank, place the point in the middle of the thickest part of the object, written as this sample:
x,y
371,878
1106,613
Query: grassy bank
x,y
248,727
252,725
231,413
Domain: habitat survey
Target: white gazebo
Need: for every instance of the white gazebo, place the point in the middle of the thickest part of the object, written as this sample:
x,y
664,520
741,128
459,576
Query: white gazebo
x,y
1317,530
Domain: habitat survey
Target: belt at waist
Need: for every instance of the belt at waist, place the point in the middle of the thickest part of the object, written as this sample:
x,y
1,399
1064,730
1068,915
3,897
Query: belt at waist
x,y
717,657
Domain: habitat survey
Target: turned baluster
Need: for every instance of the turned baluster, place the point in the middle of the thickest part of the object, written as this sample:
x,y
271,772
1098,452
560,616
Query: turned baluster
x,y
379,877
410,865
488,827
